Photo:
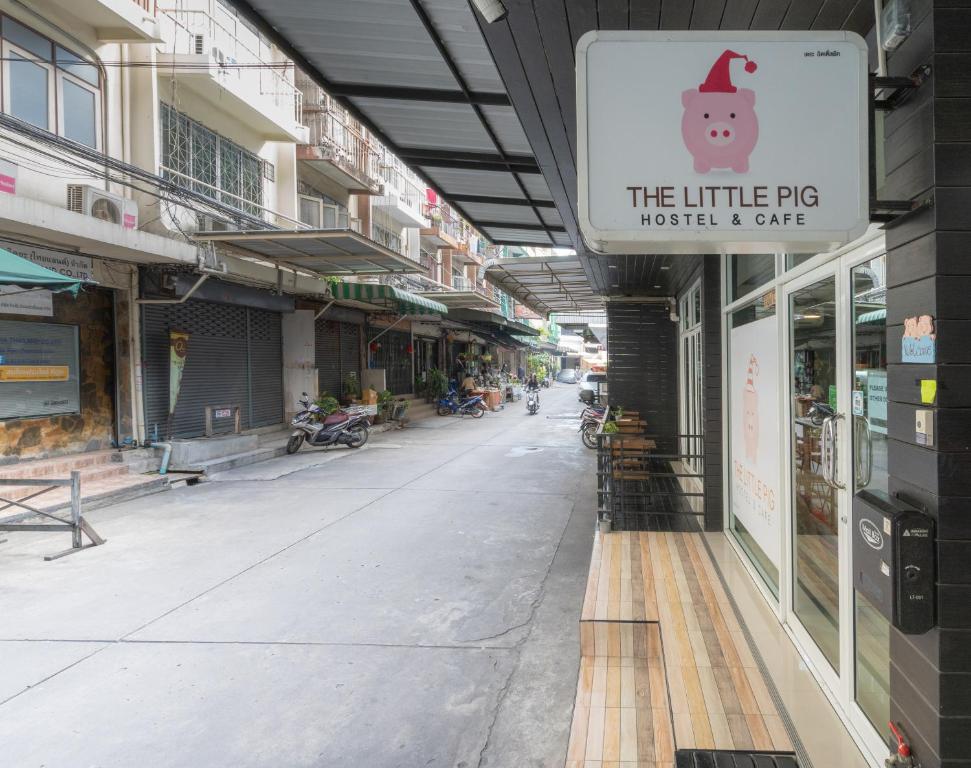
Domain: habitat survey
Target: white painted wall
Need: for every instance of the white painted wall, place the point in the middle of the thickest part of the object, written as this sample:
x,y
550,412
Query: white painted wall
x,y
299,373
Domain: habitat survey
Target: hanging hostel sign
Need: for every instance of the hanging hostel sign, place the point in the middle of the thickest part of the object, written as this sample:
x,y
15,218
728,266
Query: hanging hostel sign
x,y
734,142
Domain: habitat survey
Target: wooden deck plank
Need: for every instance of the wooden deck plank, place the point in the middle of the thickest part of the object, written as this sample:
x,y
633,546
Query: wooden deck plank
x,y
665,662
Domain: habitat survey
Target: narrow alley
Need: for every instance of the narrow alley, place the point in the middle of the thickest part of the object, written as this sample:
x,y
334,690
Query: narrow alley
x,y
412,603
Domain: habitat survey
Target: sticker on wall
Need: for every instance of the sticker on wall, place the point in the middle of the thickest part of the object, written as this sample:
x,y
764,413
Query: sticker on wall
x,y
919,344
928,391
858,403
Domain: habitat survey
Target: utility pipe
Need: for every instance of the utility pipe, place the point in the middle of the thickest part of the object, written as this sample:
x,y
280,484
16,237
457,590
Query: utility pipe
x,y
326,307
182,300
166,453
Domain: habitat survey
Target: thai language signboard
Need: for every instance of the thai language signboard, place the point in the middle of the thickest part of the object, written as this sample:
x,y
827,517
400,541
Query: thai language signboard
x,y
733,142
38,369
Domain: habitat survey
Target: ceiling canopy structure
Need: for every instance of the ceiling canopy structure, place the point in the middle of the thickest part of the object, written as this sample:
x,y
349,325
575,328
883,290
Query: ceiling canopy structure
x,y
545,284
420,77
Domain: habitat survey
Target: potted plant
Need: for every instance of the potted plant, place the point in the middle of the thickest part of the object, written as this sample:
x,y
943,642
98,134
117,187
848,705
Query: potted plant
x,y
385,398
327,403
352,387
436,385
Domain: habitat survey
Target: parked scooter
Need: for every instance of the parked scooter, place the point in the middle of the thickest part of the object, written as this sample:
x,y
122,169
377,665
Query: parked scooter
x,y
348,426
589,422
532,401
465,406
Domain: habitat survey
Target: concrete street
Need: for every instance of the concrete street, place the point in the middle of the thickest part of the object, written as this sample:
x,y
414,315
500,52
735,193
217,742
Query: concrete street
x,y
414,603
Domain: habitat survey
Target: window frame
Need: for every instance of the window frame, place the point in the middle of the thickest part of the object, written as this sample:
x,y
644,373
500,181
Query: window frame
x,y
7,48
60,75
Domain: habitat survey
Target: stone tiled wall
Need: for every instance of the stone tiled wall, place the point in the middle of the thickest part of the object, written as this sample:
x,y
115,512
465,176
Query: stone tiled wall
x,y
92,428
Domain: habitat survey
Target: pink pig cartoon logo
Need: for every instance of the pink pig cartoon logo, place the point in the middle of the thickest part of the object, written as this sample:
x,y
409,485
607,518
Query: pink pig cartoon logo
x,y
750,412
719,125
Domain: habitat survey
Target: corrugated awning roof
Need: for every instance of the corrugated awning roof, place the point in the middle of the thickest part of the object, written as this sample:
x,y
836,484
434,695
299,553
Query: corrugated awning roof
x,y
545,284
419,75
495,320
396,299
461,299
324,251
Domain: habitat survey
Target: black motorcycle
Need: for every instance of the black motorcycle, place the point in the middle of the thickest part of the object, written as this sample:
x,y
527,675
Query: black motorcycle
x,y
348,426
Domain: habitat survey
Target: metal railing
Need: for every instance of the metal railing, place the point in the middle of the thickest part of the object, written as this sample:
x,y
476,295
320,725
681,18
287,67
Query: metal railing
x,y
247,208
215,31
442,217
333,129
77,525
407,190
149,6
643,482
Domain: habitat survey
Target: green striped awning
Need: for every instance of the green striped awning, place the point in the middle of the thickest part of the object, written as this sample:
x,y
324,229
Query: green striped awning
x,y
872,317
400,301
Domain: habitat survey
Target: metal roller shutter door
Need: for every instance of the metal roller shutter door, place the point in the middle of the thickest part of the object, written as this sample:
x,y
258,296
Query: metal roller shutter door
x,y
327,356
265,368
350,350
235,358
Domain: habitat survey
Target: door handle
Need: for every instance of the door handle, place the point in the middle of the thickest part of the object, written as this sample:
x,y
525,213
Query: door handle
x,y
834,480
864,458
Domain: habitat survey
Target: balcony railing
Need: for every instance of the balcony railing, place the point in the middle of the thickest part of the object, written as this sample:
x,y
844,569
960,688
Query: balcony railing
x,y
409,193
332,128
443,218
213,30
149,6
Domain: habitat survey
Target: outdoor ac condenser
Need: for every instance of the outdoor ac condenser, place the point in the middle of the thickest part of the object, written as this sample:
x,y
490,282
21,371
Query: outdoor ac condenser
x,y
91,201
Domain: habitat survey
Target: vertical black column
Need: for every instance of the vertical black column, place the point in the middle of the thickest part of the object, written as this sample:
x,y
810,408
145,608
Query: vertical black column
x,y
928,153
711,354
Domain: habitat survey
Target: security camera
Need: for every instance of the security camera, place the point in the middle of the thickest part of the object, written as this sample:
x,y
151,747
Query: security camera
x,y
491,10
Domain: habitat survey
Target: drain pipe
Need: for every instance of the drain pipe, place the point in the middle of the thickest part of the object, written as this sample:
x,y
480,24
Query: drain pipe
x,y
166,454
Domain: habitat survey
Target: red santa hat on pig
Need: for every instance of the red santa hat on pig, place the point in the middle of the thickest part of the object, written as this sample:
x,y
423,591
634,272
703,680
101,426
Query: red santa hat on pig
x,y
719,78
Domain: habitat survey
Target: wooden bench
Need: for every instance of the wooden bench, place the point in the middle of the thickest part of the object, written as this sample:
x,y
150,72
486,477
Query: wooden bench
x,y
665,664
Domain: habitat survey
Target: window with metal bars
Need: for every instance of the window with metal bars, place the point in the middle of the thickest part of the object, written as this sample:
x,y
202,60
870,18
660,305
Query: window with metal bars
x,y
199,159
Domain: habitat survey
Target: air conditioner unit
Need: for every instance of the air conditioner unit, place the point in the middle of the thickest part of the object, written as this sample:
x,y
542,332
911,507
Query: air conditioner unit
x,y
90,201
199,46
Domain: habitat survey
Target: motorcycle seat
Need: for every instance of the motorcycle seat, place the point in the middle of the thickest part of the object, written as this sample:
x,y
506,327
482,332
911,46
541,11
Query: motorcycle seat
x,y
336,418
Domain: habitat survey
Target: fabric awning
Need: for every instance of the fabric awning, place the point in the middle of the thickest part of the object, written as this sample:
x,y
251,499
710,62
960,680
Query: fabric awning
x,y
15,270
872,317
400,301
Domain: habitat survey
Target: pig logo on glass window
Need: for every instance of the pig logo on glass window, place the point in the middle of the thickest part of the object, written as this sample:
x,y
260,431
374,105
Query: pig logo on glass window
x,y
750,412
719,125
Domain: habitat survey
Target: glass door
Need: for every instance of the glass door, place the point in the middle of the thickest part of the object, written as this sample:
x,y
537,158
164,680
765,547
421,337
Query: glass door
x,y
836,387
815,413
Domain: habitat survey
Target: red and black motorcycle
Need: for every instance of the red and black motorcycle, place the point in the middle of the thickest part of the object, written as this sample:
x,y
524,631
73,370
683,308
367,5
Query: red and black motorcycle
x,y
347,426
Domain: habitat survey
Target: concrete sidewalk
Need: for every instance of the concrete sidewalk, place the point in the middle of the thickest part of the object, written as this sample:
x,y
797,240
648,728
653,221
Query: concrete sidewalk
x,y
414,603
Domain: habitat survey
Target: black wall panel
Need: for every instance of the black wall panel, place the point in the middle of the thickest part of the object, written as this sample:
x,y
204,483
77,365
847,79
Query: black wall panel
x,y
642,371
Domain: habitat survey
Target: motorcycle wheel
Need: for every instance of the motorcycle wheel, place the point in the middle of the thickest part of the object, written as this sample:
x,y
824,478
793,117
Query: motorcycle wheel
x,y
588,435
477,413
444,410
358,436
294,443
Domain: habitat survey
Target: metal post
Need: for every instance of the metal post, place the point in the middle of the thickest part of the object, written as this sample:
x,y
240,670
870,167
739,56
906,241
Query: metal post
x,y
75,509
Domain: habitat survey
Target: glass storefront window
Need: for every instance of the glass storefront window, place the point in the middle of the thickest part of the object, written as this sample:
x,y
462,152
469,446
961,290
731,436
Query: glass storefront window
x,y
754,501
793,260
747,272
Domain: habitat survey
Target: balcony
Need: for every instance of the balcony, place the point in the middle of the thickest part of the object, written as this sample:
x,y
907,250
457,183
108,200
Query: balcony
x,y
117,21
446,230
230,66
338,149
403,196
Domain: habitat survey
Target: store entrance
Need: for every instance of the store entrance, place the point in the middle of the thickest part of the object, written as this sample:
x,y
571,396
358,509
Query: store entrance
x,y
837,410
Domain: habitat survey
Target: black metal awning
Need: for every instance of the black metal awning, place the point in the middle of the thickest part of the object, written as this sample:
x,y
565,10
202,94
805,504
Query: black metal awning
x,y
545,284
493,320
324,251
420,77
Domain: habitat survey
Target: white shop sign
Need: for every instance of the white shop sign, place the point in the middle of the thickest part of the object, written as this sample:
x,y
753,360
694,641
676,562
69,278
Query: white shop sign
x,y
69,264
15,300
755,440
732,142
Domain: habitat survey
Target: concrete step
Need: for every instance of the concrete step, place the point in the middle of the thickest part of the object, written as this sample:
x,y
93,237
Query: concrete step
x,y
231,461
59,466
94,495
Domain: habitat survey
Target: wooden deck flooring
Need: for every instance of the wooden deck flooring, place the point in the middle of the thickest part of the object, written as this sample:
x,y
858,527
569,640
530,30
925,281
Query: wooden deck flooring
x,y
664,664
